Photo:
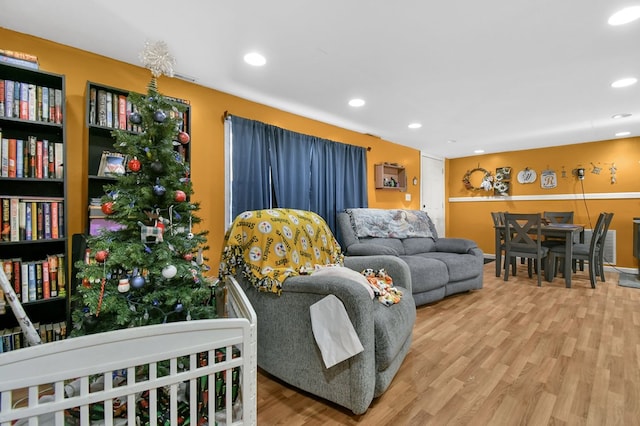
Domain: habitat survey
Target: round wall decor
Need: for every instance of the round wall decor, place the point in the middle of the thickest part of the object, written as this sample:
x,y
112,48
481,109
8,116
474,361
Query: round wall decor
x,y
484,184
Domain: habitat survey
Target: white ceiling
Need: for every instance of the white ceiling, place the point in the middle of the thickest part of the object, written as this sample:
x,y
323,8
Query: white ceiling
x,y
497,75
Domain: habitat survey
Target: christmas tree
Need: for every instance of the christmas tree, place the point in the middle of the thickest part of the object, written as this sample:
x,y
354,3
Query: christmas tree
x,y
149,271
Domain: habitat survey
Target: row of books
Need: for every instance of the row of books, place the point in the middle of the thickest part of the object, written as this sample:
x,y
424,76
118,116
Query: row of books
x,y
22,59
12,339
113,110
31,158
29,101
30,219
37,279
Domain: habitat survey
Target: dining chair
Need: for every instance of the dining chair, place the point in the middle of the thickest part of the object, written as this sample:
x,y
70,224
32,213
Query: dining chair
x,y
524,240
556,217
592,253
498,225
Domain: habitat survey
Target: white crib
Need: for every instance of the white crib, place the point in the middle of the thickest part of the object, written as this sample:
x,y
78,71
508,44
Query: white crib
x,y
188,373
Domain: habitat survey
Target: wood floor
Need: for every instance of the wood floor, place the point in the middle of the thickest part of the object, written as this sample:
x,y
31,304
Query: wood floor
x,y
509,354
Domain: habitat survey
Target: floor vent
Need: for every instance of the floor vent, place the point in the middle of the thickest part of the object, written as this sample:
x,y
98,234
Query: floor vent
x,y
609,245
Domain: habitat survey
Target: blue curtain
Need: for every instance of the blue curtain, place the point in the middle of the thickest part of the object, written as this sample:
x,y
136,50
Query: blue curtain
x,y
274,167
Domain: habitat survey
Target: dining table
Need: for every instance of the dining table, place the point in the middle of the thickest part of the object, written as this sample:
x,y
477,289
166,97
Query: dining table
x,y
567,231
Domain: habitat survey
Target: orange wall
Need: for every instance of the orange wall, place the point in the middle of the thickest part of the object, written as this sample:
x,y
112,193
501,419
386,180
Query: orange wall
x,y
207,131
470,218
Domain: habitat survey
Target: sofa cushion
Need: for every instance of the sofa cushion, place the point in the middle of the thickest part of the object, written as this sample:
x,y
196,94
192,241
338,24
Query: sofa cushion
x,y
365,249
426,273
459,266
393,325
418,245
393,243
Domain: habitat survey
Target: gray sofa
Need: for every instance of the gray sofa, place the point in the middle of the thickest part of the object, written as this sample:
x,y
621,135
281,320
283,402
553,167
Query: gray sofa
x,y
439,266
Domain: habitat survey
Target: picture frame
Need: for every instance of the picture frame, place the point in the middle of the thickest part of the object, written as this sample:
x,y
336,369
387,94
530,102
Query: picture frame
x,y
112,164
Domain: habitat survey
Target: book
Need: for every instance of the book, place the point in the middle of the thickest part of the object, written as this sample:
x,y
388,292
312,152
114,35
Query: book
x,y
8,98
115,111
24,278
22,220
19,55
102,108
38,159
28,234
57,106
52,105
40,220
33,142
45,105
92,105
51,161
31,102
55,229
39,282
45,159
6,226
122,112
23,97
16,99
4,154
26,170
62,276
14,219
17,276
46,283
109,111
38,103
61,227
34,221
33,293
19,158
2,97
58,160
11,158
46,215
52,260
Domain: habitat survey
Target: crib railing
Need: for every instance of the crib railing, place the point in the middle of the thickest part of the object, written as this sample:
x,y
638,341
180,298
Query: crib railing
x,y
184,373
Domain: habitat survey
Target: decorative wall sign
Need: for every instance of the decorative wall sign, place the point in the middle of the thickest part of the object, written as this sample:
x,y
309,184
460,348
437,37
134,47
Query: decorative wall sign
x,y
527,176
502,183
548,179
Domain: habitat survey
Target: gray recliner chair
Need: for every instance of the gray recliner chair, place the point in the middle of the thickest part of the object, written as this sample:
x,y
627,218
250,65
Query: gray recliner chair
x,y
287,348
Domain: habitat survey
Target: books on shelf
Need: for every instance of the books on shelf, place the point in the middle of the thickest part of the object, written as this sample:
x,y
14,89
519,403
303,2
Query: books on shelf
x,y
30,219
22,59
112,164
31,158
31,102
34,280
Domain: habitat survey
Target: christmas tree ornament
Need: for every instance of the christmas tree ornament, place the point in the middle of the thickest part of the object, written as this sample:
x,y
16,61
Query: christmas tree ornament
x,y
159,190
135,118
188,257
156,57
137,281
107,208
169,271
179,307
159,116
180,196
157,167
183,137
101,256
134,165
123,285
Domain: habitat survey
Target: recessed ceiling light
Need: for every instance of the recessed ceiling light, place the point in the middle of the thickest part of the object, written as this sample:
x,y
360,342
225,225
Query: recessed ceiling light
x,y
623,133
356,102
255,59
624,82
624,16
623,115
415,125
478,151
451,141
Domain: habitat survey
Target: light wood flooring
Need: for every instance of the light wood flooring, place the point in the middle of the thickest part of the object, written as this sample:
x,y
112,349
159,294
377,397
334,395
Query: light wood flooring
x,y
509,354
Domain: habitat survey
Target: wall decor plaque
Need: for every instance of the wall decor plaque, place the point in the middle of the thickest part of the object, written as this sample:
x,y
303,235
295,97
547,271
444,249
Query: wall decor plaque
x,y
548,179
527,176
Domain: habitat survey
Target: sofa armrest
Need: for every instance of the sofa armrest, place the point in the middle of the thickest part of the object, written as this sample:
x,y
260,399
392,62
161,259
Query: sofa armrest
x,y
369,249
397,268
455,245
287,348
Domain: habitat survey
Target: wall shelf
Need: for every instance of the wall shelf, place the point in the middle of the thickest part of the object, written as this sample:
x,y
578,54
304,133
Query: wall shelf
x,y
390,176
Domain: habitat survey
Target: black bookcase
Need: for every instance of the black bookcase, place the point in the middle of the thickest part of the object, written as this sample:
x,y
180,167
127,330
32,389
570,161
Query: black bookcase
x,y
34,201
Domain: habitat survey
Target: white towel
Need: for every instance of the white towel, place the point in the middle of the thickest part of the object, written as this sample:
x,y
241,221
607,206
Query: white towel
x,y
333,331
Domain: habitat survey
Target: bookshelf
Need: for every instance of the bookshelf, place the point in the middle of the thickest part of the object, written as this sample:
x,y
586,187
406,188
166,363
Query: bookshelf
x,y
33,200
107,109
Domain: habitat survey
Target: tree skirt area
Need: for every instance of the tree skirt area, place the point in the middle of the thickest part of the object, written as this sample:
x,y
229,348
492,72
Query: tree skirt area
x,y
629,280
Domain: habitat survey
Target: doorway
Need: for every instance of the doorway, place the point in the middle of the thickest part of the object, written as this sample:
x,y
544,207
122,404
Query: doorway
x,y
432,190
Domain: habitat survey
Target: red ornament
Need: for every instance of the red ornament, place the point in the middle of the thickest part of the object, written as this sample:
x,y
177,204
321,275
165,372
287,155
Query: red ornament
x,y
184,138
107,208
101,256
188,257
180,196
134,165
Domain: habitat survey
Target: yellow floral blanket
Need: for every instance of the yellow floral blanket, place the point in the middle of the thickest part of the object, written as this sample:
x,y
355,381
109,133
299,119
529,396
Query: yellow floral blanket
x,y
268,246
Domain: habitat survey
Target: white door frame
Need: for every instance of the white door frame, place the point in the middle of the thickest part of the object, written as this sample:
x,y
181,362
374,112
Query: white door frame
x,y
432,194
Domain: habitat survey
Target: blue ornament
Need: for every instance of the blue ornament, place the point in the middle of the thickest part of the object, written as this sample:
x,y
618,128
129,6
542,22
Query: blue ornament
x,y
135,118
179,307
155,302
137,281
159,116
159,190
